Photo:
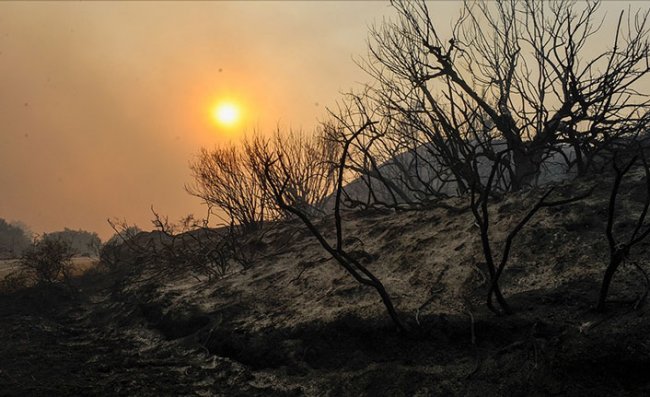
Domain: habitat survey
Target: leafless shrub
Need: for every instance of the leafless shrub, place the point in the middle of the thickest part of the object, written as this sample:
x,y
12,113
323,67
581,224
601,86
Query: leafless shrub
x,y
480,198
48,261
274,168
619,248
378,163
191,245
120,246
310,162
512,72
224,179
174,249
15,281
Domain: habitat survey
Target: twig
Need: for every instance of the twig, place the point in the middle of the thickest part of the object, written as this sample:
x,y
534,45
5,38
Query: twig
x,y
299,274
426,303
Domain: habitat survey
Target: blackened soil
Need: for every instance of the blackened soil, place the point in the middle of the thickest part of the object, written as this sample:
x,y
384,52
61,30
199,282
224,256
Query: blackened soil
x,y
55,344
59,344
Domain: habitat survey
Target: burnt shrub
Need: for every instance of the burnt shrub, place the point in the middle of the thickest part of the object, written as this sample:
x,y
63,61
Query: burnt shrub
x,y
48,261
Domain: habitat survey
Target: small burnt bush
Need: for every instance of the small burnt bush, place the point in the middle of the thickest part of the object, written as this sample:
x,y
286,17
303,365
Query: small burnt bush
x,y
48,261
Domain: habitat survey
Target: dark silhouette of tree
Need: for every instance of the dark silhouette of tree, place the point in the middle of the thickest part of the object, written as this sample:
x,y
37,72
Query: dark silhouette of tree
x,y
48,260
310,163
274,168
619,248
480,197
13,239
511,71
82,242
223,178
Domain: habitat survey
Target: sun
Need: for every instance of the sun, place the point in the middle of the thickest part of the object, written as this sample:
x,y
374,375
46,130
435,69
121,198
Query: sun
x,y
226,114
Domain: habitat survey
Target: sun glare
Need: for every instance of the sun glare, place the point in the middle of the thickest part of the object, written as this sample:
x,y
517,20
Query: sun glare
x,y
226,114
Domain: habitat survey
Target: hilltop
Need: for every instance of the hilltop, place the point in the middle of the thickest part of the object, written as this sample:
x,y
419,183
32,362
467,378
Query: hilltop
x,y
293,322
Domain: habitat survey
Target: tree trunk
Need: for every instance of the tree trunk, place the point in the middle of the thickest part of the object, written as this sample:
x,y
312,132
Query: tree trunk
x,y
526,166
614,263
388,303
494,289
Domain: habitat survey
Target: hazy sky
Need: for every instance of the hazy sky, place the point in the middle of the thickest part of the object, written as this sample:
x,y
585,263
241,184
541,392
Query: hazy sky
x,y
103,105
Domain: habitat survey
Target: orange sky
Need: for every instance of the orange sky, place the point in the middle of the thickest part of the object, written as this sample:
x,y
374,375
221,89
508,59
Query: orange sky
x,y
102,105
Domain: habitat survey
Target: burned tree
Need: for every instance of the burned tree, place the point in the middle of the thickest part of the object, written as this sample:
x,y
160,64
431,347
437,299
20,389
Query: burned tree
x,y
481,194
516,72
310,164
14,238
274,168
173,249
224,179
619,248
48,260
484,109
393,165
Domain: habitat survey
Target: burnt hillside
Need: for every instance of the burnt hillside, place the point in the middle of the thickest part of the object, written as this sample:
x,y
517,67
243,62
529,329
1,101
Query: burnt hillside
x,y
293,322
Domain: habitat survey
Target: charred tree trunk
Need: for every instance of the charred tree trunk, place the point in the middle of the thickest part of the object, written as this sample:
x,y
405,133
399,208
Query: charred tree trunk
x,y
617,257
620,251
276,174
